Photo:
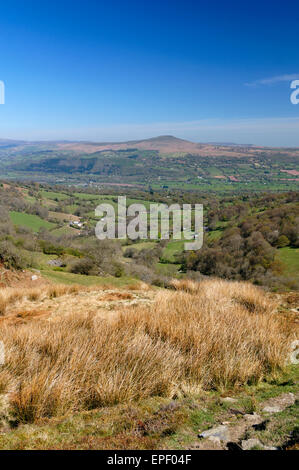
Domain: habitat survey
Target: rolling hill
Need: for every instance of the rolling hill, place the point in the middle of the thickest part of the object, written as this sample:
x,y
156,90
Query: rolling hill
x,y
162,161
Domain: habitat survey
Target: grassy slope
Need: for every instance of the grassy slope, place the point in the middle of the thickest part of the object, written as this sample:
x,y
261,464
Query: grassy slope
x,y
168,424
70,278
54,195
30,221
174,247
290,259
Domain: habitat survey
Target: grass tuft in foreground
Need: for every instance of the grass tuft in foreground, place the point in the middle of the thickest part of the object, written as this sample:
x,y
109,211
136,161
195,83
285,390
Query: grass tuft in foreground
x,y
214,335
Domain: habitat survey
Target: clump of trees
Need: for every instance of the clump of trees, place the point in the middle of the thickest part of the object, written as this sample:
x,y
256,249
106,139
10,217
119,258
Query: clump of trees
x,y
247,248
12,257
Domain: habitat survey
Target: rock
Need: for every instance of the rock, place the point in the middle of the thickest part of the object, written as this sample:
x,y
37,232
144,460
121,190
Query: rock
x,y
238,430
280,403
250,443
229,400
220,432
272,409
214,439
56,262
233,411
208,444
254,418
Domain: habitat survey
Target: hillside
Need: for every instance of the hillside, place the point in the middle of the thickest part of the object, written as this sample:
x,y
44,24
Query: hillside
x,y
247,237
171,378
163,144
217,361
164,161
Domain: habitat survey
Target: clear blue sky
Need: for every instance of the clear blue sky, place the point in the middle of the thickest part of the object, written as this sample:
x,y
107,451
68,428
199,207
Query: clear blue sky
x,y
117,70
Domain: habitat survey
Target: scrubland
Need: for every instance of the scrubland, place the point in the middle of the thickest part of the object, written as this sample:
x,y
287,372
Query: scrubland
x,y
212,335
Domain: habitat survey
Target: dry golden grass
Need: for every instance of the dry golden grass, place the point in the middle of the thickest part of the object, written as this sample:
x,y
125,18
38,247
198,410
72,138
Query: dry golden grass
x,y
185,285
33,294
214,334
81,363
9,296
228,333
59,290
117,296
138,285
3,305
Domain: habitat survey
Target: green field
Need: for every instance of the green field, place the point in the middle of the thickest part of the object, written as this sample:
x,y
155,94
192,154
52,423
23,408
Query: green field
x,y
214,235
30,221
53,195
70,278
66,230
141,245
290,259
168,269
174,247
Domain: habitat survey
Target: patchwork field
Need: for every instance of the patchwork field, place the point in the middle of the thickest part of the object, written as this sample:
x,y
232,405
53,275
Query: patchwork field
x,y
290,259
30,221
162,162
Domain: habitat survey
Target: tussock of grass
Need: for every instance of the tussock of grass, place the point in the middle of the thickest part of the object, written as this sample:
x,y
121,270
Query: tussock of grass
x,y
220,335
3,305
224,342
59,290
82,363
9,296
33,294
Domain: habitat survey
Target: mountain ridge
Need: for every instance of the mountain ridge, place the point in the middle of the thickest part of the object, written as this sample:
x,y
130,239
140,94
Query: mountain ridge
x,y
162,143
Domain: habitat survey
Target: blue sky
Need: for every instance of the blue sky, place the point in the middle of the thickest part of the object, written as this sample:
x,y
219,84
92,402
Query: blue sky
x,y
118,70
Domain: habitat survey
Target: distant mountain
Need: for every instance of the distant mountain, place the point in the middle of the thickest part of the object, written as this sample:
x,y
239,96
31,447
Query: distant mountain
x,y
163,144
10,143
164,160
168,144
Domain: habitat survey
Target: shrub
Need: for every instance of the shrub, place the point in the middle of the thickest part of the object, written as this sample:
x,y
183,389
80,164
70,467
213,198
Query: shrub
x,y
283,241
12,257
51,249
82,266
130,252
118,269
